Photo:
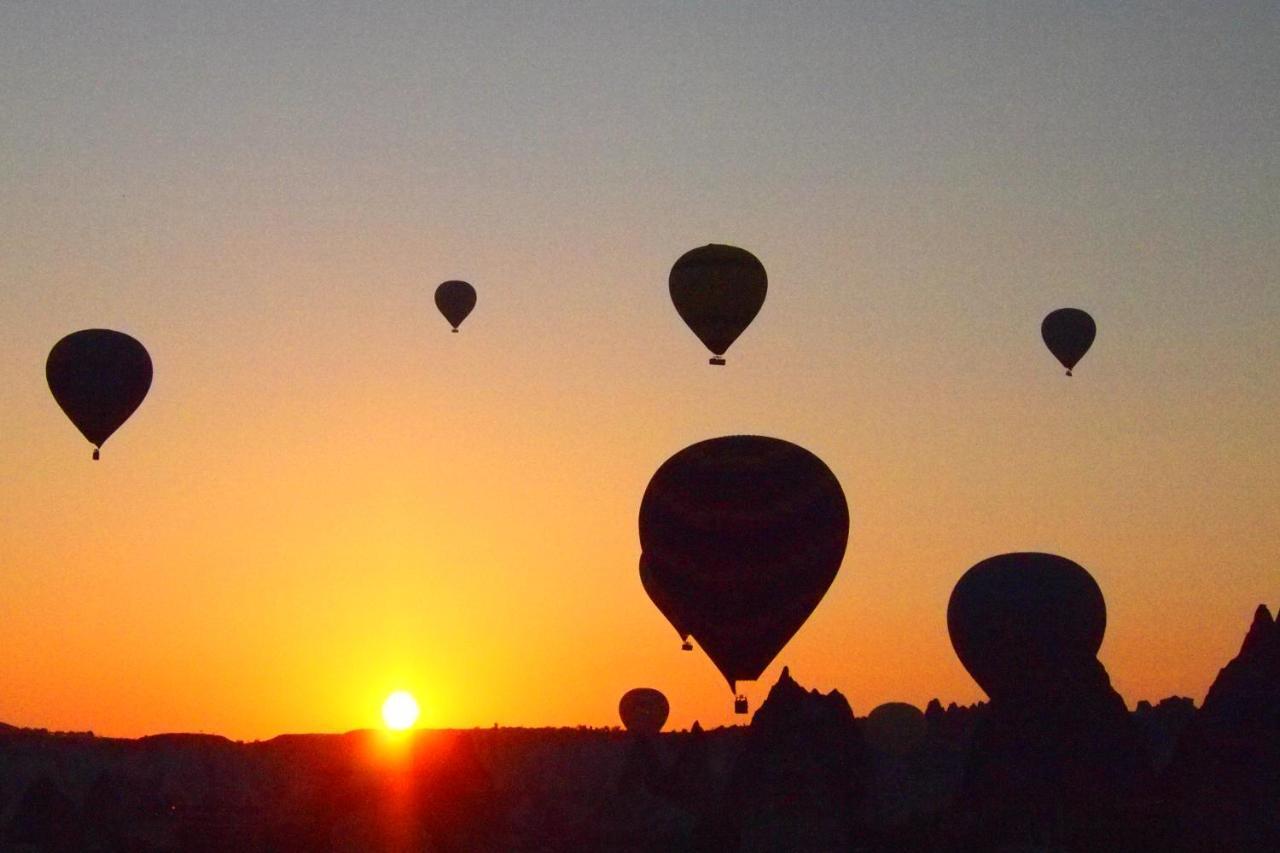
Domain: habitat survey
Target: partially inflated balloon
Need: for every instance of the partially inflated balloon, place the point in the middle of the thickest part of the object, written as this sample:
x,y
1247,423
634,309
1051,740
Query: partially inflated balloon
x,y
99,378
895,727
455,299
744,534
1068,333
1018,619
668,605
718,290
644,710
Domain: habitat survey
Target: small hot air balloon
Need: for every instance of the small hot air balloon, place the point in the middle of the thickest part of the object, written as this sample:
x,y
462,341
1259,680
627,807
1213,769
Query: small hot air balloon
x,y
644,710
1068,333
1019,620
667,604
455,299
895,727
99,378
744,534
718,290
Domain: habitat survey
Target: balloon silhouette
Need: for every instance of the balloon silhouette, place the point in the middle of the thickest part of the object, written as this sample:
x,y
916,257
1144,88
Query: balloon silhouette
x,y
1017,619
717,291
455,299
895,727
1068,333
644,710
99,378
743,534
668,605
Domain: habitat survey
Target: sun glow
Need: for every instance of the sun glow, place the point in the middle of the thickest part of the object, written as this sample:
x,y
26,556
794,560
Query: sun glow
x,y
400,711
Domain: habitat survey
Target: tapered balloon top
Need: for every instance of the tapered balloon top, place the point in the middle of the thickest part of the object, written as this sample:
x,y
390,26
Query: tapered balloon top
x,y
455,299
717,291
99,378
741,538
1068,333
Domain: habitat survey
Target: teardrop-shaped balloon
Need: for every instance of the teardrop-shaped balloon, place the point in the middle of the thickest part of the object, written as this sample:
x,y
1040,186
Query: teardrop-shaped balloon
x,y
99,377
717,291
667,603
455,299
1020,619
745,533
1068,333
644,710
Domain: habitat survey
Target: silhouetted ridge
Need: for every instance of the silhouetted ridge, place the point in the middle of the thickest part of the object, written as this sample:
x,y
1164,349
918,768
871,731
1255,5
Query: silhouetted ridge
x,y
1246,693
1059,768
1261,631
789,705
800,782
1223,787
1163,725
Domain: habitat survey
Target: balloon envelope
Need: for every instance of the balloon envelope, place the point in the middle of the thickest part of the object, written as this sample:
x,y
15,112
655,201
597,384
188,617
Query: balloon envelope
x,y
1016,618
717,291
1068,333
667,603
896,727
455,299
99,378
644,710
745,534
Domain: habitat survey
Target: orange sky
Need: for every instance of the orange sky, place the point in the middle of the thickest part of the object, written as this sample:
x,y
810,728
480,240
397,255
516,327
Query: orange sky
x,y
326,496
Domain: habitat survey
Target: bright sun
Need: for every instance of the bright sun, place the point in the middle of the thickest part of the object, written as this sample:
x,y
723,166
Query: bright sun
x,y
400,711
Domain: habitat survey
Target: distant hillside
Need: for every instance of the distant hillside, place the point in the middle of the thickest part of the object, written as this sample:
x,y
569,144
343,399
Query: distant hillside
x,y
805,775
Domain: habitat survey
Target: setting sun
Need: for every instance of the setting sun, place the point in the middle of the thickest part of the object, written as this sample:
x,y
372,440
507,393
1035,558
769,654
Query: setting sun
x,y
400,711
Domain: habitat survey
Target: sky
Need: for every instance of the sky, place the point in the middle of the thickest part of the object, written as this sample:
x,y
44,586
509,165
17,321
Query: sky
x,y
326,496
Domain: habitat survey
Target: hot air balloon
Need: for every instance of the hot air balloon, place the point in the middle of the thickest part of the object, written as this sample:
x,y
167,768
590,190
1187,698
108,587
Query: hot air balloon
x,y
895,727
99,378
668,605
1018,620
718,290
744,534
455,299
1068,333
644,710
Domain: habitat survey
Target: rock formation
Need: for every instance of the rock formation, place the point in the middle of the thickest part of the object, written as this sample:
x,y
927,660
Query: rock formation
x,y
1063,766
800,782
1223,786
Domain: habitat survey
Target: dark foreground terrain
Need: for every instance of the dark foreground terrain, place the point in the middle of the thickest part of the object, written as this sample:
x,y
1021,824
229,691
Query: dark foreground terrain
x,y
1071,770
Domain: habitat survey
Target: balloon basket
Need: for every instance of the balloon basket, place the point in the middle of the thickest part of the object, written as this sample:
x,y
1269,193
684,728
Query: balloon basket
x,y
95,454
686,646
1068,372
740,705
717,360
455,331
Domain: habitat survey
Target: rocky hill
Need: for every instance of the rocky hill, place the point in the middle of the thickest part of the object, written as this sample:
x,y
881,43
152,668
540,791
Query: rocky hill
x,y
806,774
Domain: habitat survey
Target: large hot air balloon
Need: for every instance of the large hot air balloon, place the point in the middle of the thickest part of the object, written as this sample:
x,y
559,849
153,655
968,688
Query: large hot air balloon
x,y
718,290
667,604
644,710
99,377
744,534
1068,333
455,299
1017,620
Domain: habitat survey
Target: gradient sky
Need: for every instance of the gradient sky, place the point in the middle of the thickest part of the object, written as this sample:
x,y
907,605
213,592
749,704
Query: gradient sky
x,y
326,496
